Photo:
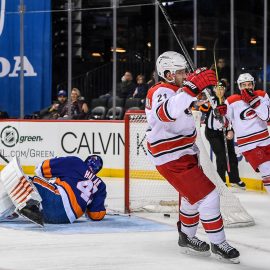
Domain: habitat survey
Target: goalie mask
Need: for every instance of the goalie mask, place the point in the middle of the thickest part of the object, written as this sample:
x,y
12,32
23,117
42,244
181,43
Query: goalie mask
x,y
245,77
95,163
170,62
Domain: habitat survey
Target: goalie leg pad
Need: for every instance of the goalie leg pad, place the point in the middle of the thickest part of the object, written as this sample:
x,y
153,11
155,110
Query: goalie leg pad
x,y
6,205
20,190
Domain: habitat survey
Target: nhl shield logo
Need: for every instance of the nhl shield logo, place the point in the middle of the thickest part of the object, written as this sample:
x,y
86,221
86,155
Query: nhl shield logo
x,y
2,15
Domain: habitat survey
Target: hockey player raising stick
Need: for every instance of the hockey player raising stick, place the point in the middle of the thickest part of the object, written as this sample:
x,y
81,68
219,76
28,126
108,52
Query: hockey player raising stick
x,y
249,113
171,146
75,190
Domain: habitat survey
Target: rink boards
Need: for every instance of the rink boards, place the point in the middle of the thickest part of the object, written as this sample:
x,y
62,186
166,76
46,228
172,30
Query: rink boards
x,y
36,140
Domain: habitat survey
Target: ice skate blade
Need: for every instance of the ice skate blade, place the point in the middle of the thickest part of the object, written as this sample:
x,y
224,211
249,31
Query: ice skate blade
x,y
220,258
192,252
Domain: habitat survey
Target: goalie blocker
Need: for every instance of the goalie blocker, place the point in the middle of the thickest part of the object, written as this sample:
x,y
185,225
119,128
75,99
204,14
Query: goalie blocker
x,y
19,194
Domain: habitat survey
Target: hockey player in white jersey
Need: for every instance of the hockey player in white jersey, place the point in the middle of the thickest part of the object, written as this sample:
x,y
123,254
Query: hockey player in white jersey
x,y
249,112
171,147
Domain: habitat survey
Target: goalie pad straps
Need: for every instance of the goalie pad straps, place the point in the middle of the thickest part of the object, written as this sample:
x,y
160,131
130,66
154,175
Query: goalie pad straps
x,y
17,185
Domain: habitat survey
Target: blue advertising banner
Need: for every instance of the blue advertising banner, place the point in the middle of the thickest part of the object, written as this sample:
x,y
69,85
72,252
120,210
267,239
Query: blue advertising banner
x,y
37,56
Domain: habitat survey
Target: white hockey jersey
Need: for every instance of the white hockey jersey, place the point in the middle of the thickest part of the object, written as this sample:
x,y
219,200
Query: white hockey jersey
x,y
250,125
172,132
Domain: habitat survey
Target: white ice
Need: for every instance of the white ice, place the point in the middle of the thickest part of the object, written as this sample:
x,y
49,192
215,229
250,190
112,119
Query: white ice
x,y
120,242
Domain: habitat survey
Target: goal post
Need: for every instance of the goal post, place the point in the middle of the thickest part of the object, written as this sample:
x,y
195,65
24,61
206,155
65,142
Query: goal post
x,y
147,190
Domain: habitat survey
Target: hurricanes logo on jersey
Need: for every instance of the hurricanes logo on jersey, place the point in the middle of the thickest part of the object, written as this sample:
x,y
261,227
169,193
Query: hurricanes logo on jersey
x,y
248,114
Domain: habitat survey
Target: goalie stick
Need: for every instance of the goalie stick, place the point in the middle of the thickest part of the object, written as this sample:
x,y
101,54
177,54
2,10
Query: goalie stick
x,y
4,158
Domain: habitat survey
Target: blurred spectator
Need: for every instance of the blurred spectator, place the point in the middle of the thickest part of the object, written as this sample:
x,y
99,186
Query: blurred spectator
x,y
79,107
3,115
223,70
54,110
141,88
153,80
126,87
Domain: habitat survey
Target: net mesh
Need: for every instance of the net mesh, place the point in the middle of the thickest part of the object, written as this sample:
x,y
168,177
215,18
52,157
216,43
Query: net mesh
x,y
149,191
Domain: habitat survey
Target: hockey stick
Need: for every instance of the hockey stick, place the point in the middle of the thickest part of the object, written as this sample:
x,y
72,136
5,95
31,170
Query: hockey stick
x,y
221,102
178,39
4,158
223,128
192,67
116,213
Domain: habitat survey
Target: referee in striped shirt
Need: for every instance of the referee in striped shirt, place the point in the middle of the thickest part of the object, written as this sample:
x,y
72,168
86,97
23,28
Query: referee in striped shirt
x,y
214,134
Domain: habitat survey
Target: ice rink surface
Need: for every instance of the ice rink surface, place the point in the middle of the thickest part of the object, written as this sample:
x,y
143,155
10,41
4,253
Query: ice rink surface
x,y
147,241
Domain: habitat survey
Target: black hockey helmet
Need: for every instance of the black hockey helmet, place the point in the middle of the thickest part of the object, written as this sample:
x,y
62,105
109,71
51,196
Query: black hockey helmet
x,y
95,163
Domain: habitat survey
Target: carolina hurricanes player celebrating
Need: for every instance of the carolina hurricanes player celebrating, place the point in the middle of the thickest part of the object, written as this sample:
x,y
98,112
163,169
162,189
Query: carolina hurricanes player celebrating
x,y
171,147
249,113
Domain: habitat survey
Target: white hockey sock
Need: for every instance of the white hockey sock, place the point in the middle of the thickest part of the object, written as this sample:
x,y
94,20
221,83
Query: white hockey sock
x,y
211,218
189,217
264,169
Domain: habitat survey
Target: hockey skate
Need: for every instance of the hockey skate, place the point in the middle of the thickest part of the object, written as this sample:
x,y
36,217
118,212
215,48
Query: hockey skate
x,y
32,212
239,184
192,246
225,252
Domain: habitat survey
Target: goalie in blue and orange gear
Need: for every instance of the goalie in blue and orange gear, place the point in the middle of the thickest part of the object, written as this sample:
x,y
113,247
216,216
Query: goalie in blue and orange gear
x,y
70,188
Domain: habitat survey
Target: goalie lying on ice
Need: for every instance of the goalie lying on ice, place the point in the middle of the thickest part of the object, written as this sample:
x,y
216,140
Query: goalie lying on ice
x,y
67,186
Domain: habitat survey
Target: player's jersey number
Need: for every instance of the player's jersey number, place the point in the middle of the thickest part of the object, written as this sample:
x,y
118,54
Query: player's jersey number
x,y
87,189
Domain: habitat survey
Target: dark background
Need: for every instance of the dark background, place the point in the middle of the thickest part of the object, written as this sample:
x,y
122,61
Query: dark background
x,y
136,27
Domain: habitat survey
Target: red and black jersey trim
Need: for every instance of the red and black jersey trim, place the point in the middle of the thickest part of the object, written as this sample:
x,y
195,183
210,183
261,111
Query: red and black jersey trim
x,y
213,225
253,137
266,181
189,220
170,145
163,114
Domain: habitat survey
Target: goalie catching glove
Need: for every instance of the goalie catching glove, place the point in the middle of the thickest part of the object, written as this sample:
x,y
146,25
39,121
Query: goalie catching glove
x,y
200,79
251,98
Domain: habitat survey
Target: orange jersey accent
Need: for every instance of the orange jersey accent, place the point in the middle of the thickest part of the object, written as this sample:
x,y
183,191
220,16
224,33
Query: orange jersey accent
x,y
72,198
46,185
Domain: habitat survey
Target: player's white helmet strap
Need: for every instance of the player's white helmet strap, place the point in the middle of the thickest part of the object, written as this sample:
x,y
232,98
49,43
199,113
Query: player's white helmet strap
x,y
245,77
170,61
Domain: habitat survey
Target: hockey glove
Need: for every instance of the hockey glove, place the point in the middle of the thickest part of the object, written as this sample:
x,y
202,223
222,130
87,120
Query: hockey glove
x,y
221,110
251,98
199,80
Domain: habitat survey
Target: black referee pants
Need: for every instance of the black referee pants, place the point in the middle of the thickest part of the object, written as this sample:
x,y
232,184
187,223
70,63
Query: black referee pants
x,y
216,141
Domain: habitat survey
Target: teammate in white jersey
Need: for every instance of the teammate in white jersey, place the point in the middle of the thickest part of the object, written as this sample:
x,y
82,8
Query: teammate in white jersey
x,y
171,146
249,112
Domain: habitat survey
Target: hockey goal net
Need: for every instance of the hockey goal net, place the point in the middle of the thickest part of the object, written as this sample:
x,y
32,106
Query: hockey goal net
x,y
147,190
